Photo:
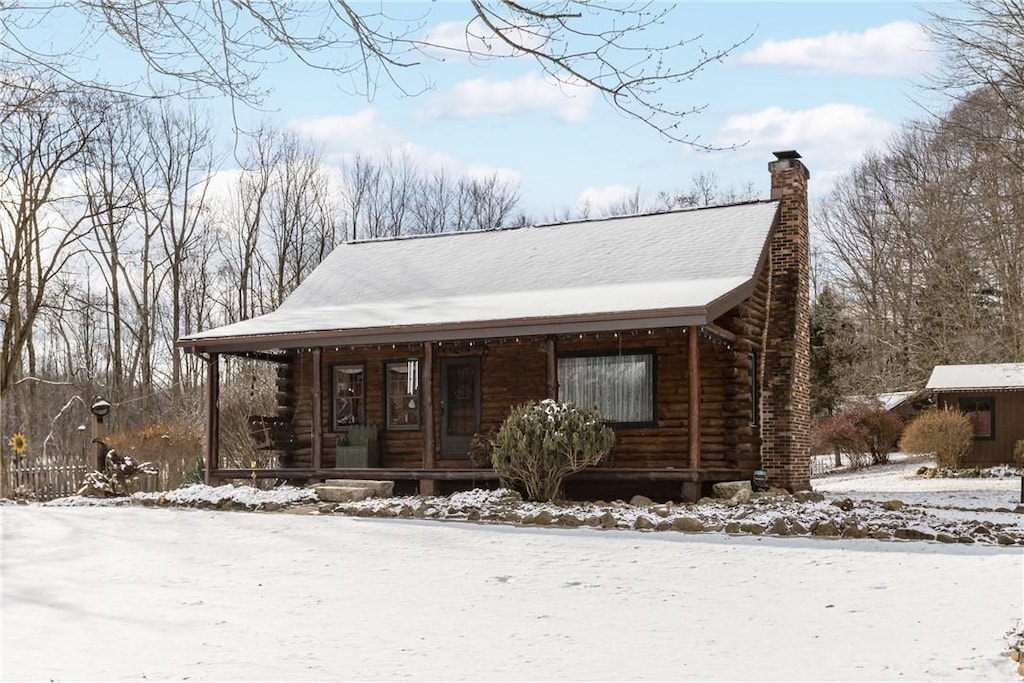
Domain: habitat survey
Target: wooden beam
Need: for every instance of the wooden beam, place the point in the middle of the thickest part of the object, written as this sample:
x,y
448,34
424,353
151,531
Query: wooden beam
x,y
318,412
552,351
665,474
427,486
212,418
693,357
721,333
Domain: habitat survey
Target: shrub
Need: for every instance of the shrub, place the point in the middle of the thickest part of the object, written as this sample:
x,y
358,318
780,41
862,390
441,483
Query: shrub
x,y
117,478
842,435
481,449
1018,453
947,434
864,434
540,443
173,447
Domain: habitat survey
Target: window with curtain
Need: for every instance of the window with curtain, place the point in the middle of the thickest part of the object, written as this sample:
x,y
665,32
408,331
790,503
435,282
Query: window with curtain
x,y
981,413
349,392
620,386
403,401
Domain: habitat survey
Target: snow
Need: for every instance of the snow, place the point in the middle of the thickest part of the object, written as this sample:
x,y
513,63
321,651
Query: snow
x,y
988,376
105,593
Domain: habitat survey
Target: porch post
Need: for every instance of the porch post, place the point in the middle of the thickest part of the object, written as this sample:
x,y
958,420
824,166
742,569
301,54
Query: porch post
x,y
212,418
428,487
317,422
552,351
693,426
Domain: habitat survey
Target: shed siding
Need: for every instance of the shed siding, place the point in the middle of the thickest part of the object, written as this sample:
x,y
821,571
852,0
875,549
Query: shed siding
x,y
1009,425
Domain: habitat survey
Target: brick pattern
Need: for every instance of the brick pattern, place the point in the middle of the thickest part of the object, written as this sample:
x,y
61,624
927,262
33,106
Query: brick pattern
x,y
786,404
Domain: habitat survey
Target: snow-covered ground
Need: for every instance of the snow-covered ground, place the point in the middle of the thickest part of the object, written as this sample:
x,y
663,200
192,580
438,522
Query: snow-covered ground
x,y
106,593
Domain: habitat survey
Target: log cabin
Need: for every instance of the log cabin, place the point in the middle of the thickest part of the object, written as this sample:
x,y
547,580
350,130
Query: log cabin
x,y
688,330
992,397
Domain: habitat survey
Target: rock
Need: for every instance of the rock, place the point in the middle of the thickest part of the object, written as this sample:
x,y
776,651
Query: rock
x,y
592,520
728,489
965,539
779,527
808,496
570,521
827,528
663,524
608,521
473,516
327,508
844,504
797,529
376,489
341,494
1004,539
741,497
881,535
688,524
914,535
1020,669
921,470
662,510
714,526
643,523
854,531
364,512
705,501
1014,654
945,538
1002,510
892,505
272,506
752,528
405,511
981,530
542,517
732,528
640,501
1019,509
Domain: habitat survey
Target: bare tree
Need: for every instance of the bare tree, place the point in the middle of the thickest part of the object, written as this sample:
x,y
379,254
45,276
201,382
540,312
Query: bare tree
x,y
225,46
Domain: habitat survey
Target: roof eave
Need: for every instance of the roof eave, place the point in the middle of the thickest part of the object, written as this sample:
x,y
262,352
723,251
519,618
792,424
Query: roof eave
x,y
519,327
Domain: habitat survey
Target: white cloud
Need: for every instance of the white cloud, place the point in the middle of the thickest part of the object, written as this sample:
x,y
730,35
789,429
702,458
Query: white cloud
x,y
597,200
839,132
362,133
530,93
898,49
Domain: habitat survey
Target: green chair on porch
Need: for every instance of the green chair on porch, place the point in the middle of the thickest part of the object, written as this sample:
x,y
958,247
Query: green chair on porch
x,y
358,448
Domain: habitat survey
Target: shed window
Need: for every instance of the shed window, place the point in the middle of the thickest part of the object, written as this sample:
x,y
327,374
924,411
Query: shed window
x,y
349,389
981,413
621,387
403,394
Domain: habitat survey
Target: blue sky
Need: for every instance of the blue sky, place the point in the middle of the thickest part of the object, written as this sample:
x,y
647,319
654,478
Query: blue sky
x,y
828,79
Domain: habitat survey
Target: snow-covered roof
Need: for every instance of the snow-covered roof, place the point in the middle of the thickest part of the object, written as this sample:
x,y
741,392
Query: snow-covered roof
x,y
971,377
887,400
672,268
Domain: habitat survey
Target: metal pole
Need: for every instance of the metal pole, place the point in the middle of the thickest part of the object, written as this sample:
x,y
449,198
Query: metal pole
x,y
97,438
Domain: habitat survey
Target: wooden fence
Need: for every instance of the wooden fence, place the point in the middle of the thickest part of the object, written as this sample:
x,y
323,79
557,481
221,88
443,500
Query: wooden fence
x,y
56,476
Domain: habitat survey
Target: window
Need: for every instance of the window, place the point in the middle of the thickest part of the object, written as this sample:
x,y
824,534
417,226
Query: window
x,y
981,413
755,394
349,390
402,383
621,387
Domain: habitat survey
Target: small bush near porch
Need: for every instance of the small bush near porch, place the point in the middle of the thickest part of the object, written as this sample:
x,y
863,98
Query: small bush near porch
x,y
539,444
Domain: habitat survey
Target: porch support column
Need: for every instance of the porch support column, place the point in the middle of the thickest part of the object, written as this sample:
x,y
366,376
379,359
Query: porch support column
x,y
693,426
318,412
428,486
212,418
551,349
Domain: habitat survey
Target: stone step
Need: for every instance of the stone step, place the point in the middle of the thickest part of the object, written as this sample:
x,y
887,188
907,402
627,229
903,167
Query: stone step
x,y
341,494
377,488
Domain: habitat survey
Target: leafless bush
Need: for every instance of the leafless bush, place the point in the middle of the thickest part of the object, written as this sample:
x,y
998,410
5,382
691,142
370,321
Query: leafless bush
x,y
947,434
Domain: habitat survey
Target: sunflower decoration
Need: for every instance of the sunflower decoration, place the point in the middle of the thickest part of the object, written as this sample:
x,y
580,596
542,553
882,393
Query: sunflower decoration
x,y
18,443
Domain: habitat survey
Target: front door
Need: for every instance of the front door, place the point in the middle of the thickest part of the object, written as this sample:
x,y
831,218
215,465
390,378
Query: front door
x,y
460,405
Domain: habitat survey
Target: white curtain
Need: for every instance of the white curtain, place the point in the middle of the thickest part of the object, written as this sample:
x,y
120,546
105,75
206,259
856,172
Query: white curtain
x,y
621,387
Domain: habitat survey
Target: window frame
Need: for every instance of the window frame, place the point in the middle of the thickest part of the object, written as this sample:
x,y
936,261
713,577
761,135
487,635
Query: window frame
x,y
647,351
361,412
991,400
418,396
755,388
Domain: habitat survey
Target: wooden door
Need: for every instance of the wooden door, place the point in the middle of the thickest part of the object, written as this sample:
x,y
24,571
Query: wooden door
x,y
460,405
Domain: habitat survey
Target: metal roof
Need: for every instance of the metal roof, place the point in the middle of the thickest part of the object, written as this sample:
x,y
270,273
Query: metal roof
x,y
672,268
977,377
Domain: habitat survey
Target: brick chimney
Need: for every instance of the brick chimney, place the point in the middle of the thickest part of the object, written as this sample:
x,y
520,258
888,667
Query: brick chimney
x,y
786,401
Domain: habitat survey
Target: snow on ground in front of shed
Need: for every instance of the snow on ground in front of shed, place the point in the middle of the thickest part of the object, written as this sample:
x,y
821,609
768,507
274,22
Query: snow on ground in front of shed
x,y
130,593
898,480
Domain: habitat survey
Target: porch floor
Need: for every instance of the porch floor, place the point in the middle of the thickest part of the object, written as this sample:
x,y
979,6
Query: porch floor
x,y
597,474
